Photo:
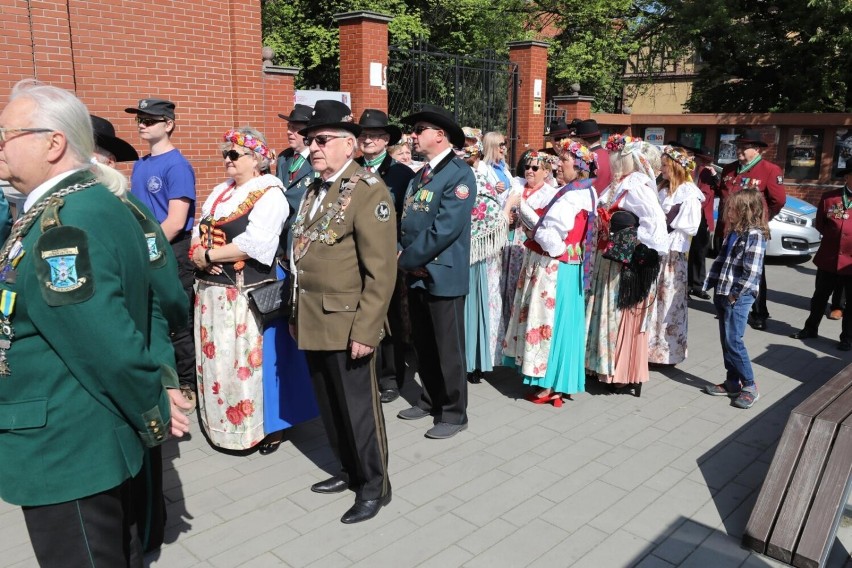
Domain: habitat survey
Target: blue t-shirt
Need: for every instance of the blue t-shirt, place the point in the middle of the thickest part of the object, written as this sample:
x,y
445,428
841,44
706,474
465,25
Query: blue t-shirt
x,y
158,179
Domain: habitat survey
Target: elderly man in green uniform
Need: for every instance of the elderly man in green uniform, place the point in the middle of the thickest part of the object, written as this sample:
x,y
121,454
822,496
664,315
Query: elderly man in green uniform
x,y
74,286
344,262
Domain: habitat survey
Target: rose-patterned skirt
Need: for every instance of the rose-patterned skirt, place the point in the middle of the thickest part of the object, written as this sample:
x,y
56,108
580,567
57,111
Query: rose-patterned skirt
x,y
667,322
229,359
530,330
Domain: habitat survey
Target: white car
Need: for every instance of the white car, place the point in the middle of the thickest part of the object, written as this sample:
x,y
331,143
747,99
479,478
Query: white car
x,y
792,231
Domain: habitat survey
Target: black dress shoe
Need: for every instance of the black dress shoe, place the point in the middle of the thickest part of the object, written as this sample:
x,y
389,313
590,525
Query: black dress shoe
x,y
757,323
389,395
844,345
331,485
699,293
804,333
364,510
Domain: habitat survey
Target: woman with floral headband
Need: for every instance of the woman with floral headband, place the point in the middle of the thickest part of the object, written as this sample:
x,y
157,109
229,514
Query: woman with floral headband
x,y
488,230
536,168
631,231
681,201
234,248
543,339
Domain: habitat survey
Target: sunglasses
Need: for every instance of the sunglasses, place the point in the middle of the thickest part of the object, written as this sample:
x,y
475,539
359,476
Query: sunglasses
x,y
232,155
421,127
321,139
531,167
502,144
146,121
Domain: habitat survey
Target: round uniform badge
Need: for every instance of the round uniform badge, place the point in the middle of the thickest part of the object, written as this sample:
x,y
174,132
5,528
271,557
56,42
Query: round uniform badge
x,y
462,191
383,211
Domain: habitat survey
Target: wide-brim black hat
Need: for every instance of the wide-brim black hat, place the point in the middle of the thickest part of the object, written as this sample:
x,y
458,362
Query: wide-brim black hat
x,y
844,171
374,118
331,114
587,129
105,138
301,113
439,117
752,137
559,128
154,107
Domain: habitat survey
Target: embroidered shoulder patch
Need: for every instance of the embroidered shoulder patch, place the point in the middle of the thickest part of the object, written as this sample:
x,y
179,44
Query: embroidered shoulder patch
x,y
154,252
383,211
780,180
462,191
63,267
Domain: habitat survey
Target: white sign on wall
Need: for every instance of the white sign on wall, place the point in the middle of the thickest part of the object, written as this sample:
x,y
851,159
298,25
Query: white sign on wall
x,y
311,97
655,135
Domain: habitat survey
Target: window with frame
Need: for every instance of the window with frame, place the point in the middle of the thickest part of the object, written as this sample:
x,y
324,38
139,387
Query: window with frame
x,y
804,153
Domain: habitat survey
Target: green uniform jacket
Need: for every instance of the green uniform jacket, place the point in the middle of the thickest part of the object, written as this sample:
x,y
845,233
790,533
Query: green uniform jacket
x,y
85,395
344,288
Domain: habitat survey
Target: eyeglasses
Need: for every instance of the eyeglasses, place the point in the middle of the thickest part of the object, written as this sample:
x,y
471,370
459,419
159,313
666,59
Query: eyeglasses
x,y
502,144
233,155
321,139
531,167
5,131
146,121
367,136
418,130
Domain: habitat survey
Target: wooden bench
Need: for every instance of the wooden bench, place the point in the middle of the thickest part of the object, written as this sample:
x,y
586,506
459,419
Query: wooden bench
x,y
804,495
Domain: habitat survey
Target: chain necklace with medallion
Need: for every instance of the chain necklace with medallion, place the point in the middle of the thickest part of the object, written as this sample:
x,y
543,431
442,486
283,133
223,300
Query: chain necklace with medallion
x,y
11,255
321,232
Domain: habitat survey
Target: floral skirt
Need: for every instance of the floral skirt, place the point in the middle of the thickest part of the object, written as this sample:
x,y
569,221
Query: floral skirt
x,y
483,312
602,316
529,334
667,319
229,359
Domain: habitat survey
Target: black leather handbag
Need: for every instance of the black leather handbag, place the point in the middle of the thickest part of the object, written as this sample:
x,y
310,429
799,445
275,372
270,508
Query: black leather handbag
x,y
268,301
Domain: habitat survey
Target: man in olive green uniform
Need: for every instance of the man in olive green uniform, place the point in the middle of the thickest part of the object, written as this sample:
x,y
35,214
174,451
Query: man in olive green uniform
x,y
80,393
345,266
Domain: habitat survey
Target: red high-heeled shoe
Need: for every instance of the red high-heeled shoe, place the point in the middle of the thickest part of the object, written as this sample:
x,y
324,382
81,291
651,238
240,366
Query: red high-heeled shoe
x,y
556,400
536,398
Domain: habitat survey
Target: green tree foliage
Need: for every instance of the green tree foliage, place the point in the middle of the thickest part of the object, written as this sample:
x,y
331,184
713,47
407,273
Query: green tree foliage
x,y
765,55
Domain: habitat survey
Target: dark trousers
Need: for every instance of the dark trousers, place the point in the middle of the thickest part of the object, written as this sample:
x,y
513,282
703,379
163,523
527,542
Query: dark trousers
x,y
391,352
95,531
759,309
149,506
696,266
348,398
825,284
437,330
183,340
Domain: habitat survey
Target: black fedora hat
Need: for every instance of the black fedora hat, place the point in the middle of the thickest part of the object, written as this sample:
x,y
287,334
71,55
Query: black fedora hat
x,y
154,107
439,117
844,171
751,137
374,118
587,129
105,138
331,114
559,128
301,113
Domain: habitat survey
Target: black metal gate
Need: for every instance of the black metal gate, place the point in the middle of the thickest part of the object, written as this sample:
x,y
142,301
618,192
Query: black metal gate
x,y
480,92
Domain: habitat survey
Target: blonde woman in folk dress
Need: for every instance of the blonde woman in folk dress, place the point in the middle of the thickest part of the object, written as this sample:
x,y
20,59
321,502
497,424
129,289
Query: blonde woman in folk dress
x,y
681,201
548,311
234,248
617,345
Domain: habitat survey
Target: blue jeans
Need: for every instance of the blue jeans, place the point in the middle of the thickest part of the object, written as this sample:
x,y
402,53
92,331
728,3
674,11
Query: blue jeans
x,y
732,326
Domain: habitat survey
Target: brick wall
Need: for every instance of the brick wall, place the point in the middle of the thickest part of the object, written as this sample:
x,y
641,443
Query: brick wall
x,y
531,57
203,55
363,40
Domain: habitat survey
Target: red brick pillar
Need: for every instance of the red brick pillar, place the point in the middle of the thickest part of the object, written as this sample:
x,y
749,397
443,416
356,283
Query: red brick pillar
x,y
278,98
575,106
364,47
531,57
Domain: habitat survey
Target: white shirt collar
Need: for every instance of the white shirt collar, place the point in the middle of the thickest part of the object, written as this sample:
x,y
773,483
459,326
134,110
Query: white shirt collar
x,y
333,178
437,159
304,153
39,191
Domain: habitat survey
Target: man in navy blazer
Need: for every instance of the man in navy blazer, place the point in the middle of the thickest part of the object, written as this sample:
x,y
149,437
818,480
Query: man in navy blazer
x,y
293,167
435,252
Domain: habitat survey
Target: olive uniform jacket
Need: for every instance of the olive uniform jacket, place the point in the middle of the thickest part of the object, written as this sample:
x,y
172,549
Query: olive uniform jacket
x,y
346,277
85,395
435,228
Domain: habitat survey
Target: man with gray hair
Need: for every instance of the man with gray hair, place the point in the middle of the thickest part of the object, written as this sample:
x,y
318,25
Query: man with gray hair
x,y
81,395
344,261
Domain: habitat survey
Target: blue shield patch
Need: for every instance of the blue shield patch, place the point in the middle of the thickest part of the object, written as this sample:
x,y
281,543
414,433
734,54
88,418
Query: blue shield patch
x,y
154,251
63,271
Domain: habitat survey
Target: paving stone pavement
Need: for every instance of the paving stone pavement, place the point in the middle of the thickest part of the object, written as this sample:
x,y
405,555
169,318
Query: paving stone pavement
x,y
668,479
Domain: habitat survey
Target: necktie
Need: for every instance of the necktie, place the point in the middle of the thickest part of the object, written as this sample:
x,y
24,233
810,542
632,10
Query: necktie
x,y
427,169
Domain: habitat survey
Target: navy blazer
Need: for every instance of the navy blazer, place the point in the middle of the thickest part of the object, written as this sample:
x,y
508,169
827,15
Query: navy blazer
x,y
293,190
438,238
396,176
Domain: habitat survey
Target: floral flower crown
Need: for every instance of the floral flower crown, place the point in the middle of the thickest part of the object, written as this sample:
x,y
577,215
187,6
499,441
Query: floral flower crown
x,y
584,157
250,142
616,142
476,148
681,157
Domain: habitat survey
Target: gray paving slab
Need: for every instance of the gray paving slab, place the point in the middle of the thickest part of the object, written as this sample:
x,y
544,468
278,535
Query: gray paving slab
x,y
668,479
